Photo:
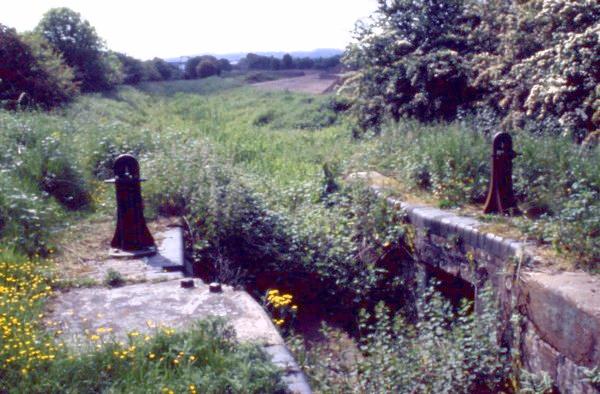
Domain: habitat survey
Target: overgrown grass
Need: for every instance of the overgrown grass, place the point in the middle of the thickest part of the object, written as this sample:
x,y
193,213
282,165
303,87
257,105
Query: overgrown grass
x,y
257,175
278,144
556,182
205,358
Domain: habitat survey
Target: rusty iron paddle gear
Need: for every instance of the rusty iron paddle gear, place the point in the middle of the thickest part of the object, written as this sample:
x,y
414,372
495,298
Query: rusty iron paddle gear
x,y
132,237
500,198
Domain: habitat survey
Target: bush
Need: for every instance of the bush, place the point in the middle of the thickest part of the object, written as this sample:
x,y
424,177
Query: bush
x,y
114,279
530,61
26,219
210,66
410,63
167,71
133,69
30,72
443,352
548,70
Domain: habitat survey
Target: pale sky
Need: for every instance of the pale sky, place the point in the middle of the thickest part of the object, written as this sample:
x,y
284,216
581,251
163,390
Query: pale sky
x,y
171,28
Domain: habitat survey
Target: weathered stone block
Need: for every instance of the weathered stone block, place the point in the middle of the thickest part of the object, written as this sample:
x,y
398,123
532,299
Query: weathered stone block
x,y
538,356
565,309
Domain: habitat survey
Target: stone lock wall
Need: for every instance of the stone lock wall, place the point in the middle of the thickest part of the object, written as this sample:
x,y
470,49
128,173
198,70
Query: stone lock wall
x,y
560,311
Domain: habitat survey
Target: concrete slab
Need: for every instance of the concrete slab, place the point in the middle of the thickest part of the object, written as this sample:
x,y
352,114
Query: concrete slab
x,y
144,307
153,298
167,264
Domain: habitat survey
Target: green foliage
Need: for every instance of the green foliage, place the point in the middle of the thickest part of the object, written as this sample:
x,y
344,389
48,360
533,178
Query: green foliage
x,y
593,376
81,48
136,71
410,62
133,69
210,66
225,65
207,68
25,218
556,182
532,61
205,357
31,73
253,61
547,55
443,352
535,384
114,279
167,71
287,62
255,201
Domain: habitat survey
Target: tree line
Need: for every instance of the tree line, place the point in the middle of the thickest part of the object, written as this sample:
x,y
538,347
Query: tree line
x,y
64,56
206,66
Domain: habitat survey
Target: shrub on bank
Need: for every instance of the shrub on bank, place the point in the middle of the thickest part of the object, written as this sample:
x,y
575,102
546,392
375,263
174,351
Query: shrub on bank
x,y
443,352
31,73
532,60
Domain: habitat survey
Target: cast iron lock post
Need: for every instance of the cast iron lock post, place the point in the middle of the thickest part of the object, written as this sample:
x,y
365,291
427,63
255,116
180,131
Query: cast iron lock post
x,y
132,237
500,198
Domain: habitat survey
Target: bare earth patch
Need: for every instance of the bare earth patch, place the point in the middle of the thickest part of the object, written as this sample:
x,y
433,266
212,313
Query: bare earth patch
x,y
85,249
313,83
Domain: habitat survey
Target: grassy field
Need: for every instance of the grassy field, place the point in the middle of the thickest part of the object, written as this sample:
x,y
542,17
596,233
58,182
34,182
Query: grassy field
x,y
258,177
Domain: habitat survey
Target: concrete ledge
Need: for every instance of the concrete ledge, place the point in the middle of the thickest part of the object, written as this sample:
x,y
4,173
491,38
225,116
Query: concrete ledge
x,y
294,378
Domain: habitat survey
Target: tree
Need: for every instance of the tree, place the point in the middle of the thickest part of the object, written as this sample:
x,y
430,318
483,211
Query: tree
x,y
224,65
304,63
190,67
287,62
30,71
530,64
151,72
80,47
207,68
166,70
410,62
133,69
275,63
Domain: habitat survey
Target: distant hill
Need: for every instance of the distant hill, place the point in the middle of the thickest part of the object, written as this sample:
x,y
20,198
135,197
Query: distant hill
x,y
235,57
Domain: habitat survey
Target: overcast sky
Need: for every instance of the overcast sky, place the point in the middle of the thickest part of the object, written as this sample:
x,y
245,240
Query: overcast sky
x,y
171,28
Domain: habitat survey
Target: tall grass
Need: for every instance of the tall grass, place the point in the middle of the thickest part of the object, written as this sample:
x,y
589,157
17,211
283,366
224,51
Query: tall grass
x,y
557,183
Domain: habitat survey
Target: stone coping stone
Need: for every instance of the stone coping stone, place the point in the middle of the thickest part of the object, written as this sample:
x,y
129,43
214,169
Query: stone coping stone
x,y
564,307
293,376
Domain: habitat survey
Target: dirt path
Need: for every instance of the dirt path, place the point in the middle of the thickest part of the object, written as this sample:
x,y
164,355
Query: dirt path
x,y
314,83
